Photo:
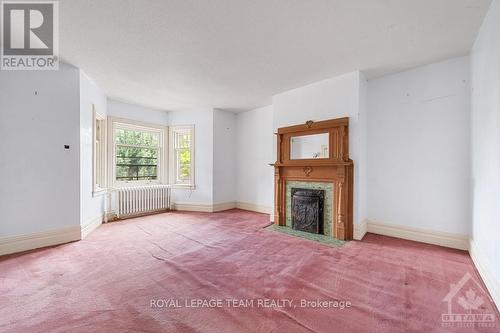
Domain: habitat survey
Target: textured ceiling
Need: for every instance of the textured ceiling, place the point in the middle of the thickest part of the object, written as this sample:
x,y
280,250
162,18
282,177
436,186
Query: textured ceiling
x,y
235,55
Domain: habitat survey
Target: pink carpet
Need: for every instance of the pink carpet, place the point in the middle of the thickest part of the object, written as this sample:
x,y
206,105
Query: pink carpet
x,y
106,283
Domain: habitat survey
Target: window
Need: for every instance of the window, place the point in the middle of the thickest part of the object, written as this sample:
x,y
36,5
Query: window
x,y
182,155
137,153
98,152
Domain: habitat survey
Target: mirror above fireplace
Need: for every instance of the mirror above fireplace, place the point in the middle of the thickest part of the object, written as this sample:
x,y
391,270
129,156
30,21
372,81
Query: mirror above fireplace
x,y
309,146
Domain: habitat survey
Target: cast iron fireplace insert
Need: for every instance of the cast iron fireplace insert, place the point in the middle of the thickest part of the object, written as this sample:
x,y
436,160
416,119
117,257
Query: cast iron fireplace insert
x,y
307,210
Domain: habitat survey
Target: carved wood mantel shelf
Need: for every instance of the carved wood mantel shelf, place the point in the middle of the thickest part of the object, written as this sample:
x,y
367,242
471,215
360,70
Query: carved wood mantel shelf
x,y
336,168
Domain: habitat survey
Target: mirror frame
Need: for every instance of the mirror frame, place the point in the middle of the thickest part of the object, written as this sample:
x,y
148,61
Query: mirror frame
x,y
338,148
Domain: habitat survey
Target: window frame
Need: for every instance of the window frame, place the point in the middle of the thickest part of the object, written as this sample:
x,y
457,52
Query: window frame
x,y
99,160
172,157
120,123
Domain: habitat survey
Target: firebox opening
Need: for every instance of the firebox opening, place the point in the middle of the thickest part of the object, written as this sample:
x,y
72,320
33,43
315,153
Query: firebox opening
x,y
307,210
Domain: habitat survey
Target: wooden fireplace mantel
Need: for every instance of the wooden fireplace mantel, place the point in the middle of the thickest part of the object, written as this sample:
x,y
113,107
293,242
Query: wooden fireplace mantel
x,y
336,169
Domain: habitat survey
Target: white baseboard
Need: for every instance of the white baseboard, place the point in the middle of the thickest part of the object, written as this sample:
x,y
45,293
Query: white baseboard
x,y
91,226
192,207
254,207
483,264
360,230
203,207
455,241
40,239
219,207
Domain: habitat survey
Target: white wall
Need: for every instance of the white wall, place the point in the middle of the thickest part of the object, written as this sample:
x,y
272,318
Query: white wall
x,y
341,96
418,148
39,114
360,168
90,94
224,182
137,113
255,178
332,98
485,69
203,121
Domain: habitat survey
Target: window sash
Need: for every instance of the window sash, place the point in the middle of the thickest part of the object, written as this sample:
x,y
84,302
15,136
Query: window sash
x,y
182,140
166,151
98,152
179,165
137,165
160,167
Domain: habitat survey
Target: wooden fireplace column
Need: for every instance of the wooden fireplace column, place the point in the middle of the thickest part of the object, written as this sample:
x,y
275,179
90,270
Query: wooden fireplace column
x,y
336,169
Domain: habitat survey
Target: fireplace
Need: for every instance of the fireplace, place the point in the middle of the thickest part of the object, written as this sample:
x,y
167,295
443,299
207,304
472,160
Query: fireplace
x,y
315,154
307,210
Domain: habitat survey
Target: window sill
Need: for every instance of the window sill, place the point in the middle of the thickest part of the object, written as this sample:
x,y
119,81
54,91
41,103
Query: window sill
x,y
99,192
183,186
135,183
